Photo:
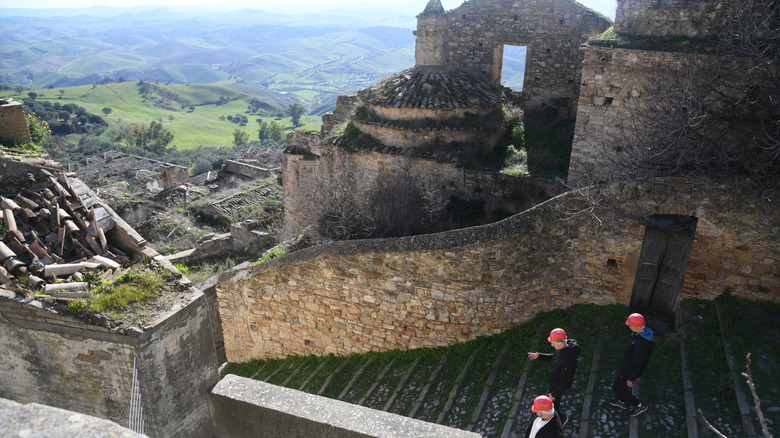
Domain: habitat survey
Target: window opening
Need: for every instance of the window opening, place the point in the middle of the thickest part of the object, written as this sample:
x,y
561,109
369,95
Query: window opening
x,y
513,67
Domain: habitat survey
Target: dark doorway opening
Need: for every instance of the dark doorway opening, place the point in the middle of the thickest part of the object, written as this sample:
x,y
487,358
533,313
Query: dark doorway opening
x,y
666,249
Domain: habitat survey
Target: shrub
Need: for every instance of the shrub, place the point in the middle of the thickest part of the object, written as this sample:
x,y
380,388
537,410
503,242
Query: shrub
x,y
39,128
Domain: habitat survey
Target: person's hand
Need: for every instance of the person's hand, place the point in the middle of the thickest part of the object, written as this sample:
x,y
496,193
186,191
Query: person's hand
x,y
551,397
533,356
629,383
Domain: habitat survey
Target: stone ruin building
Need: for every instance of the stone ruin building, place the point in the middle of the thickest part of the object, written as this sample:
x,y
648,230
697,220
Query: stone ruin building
x,y
421,291
613,75
420,120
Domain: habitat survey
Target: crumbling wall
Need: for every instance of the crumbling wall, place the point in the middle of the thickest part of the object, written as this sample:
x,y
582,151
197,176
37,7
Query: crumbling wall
x,y
552,31
610,77
62,362
447,288
13,124
309,177
691,18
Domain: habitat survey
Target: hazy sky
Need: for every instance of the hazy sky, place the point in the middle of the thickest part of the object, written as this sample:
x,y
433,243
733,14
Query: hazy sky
x,y
606,7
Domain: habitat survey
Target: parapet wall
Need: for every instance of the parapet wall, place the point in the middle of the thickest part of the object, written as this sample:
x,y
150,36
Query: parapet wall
x,y
447,288
691,18
62,362
13,124
242,407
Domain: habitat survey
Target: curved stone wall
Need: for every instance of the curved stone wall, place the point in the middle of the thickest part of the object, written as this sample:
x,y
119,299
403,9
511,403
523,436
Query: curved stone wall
x,y
441,289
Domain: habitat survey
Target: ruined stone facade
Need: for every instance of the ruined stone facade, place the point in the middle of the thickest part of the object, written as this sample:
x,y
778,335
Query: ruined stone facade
x,y
446,288
610,77
13,124
613,74
472,38
502,193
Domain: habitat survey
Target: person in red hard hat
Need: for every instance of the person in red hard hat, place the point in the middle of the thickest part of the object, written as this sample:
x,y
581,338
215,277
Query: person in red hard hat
x,y
547,423
563,363
633,365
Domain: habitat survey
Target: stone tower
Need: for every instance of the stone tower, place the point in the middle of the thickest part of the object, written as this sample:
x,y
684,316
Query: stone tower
x,y
431,46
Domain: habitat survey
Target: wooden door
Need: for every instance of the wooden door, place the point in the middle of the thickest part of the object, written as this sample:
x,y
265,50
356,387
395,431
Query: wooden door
x,y
661,269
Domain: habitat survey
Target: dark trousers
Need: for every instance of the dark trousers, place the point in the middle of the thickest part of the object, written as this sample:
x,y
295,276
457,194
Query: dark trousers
x,y
623,392
557,406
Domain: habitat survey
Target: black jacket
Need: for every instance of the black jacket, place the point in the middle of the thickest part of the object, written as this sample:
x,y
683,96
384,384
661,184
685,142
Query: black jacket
x,y
563,363
553,429
637,355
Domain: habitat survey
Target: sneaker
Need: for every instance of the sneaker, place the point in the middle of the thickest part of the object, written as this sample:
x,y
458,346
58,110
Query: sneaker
x,y
618,403
638,409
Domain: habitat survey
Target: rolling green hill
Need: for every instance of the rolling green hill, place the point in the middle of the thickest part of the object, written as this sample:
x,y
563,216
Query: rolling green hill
x,y
195,122
311,58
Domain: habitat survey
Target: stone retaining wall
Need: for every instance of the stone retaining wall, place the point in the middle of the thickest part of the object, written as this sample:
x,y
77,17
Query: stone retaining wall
x,y
446,288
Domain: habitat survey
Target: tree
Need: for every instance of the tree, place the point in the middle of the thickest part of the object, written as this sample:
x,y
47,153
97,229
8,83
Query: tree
x,y
295,111
107,110
154,139
62,92
270,130
19,89
32,95
240,137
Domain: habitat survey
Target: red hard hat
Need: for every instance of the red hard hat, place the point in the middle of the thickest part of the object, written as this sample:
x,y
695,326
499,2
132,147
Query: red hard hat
x,y
542,403
557,335
635,320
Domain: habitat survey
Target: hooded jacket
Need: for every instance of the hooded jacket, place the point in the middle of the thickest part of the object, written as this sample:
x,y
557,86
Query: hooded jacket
x,y
563,363
637,355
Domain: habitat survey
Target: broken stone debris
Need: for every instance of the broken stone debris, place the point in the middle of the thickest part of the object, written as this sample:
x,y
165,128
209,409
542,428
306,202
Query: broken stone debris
x,y
51,239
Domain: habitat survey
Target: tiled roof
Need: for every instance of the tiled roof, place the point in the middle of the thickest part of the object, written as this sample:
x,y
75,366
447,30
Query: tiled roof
x,y
421,89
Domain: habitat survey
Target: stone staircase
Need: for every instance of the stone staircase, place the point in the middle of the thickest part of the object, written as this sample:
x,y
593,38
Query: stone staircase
x,y
487,385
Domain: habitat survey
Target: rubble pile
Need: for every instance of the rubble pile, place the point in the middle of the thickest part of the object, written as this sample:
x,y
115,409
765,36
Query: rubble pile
x,y
51,240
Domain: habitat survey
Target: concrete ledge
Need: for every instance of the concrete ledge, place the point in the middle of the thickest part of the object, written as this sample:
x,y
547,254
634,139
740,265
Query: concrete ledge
x,y
244,407
40,421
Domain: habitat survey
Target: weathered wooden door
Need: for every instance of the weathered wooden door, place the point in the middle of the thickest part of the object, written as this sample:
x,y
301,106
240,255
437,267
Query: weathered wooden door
x,y
662,263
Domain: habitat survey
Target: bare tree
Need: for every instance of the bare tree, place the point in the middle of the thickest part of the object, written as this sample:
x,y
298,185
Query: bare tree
x,y
710,110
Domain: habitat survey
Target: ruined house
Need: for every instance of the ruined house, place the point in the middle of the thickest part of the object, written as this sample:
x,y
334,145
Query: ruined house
x,y
426,123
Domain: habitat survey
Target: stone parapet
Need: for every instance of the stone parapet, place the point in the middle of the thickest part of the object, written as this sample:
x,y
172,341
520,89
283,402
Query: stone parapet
x,y
242,406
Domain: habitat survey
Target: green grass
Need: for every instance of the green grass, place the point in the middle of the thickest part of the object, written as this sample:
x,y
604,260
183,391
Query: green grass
x,y
191,128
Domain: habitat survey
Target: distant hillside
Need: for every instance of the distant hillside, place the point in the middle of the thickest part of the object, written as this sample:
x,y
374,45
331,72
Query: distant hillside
x,y
197,114
311,58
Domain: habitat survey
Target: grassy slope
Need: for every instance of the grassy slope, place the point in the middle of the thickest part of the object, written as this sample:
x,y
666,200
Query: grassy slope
x,y
191,129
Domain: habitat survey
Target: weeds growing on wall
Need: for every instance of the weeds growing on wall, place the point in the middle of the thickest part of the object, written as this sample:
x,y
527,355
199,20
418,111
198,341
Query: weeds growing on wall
x,y
113,298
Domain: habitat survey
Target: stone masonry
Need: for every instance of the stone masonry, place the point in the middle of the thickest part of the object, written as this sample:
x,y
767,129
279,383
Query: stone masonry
x,y
447,288
673,17
472,38
13,124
